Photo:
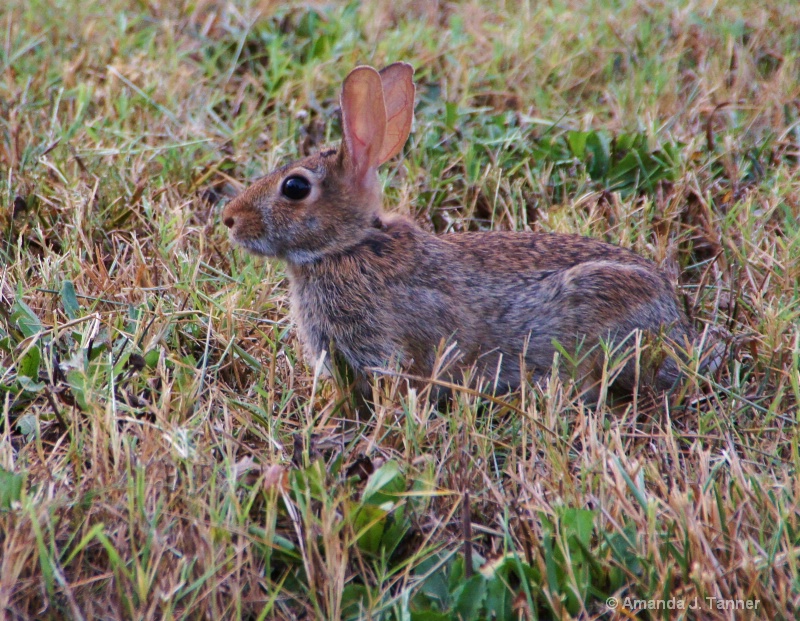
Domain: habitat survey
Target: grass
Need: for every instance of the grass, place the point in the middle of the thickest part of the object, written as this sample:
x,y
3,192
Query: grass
x,y
165,453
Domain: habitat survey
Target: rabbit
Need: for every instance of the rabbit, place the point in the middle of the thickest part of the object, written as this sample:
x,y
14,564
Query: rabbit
x,y
375,290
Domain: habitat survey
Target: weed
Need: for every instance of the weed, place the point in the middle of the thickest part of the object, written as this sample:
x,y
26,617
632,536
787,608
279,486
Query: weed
x,y
166,454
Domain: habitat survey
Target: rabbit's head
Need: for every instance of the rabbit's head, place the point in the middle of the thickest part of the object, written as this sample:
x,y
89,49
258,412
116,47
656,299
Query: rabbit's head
x,y
326,203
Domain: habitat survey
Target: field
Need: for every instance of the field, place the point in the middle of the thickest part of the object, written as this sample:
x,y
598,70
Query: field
x,y
166,453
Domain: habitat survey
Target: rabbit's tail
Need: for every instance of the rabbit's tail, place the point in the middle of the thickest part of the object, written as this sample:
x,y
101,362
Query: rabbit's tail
x,y
708,348
713,348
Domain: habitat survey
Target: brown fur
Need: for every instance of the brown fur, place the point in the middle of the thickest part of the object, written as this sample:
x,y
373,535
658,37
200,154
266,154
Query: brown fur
x,y
383,291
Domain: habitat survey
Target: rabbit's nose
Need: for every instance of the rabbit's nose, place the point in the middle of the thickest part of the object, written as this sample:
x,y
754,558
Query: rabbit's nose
x,y
228,221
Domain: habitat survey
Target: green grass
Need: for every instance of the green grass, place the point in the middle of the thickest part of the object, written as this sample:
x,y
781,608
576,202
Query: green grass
x,y
165,453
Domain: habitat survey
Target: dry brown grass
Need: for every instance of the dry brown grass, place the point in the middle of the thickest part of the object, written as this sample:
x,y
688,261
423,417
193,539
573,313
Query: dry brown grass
x,y
176,457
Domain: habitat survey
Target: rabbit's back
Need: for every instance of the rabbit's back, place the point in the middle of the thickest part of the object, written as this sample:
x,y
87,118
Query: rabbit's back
x,y
540,291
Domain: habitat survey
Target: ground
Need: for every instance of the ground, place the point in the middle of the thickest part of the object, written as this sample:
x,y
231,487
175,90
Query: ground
x,y
165,452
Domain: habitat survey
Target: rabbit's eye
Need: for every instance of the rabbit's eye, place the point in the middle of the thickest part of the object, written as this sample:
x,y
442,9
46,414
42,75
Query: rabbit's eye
x,y
296,188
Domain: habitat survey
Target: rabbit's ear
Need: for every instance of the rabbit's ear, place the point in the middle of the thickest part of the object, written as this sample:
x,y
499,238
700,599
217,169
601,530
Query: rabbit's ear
x,y
363,121
398,93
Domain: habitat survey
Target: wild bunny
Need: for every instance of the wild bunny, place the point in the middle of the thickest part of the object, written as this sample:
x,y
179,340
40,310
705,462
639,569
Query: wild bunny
x,y
381,291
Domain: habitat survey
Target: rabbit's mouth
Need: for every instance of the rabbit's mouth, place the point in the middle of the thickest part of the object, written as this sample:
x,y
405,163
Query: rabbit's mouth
x,y
256,245
268,248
